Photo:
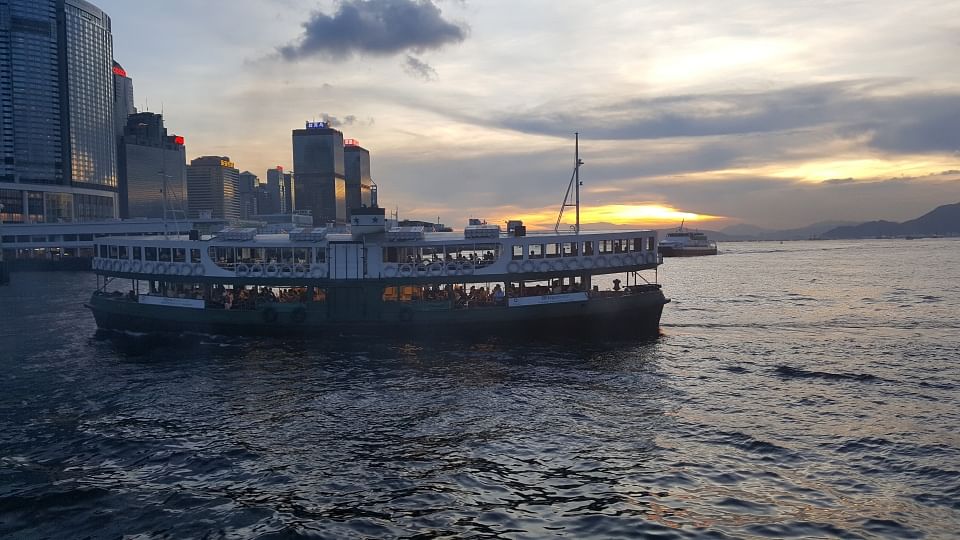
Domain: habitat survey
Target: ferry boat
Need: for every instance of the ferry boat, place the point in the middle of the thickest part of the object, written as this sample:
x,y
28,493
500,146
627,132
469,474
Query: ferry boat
x,y
373,277
683,243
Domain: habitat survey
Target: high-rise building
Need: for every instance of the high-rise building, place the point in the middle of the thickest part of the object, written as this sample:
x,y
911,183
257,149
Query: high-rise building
x,y
247,194
149,160
359,183
122,98
57,131
288,194
213,185
318,172
273,192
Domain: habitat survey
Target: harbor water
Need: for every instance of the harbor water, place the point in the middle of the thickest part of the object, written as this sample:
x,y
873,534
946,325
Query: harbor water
x,y
799,389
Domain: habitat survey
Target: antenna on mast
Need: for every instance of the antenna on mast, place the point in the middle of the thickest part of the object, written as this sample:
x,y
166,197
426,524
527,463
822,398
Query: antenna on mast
x,y
575,185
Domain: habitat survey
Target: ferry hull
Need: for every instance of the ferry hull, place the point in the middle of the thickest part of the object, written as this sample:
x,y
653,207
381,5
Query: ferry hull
x,y
668,251
636,315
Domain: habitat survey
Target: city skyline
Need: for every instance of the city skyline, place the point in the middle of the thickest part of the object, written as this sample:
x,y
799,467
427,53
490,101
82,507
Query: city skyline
x,y
773,115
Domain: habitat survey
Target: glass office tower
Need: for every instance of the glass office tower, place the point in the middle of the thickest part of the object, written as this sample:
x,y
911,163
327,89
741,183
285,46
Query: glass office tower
x,y
319,181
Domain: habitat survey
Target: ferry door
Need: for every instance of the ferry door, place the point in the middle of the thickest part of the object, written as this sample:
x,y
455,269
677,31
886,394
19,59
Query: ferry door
x,y
346,260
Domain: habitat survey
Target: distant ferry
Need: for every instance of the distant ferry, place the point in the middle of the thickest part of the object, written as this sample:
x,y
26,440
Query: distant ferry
x,y
372,278
687,244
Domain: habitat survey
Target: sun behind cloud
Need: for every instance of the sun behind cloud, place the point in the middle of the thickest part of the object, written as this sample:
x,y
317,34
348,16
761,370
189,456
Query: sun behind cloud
x,y
648,215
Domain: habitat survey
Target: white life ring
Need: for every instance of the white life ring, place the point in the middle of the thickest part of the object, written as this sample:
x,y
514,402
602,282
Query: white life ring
x,y
616,261
544,266
161,268
256,270
557,265
421,269
199,270
299,270
513,267
451,268
602,262
406,269
286,270
527,266
271,270
435,269
242,270
651,257
126,266
467,268
572,264
136,265
148,267
588,262
390,270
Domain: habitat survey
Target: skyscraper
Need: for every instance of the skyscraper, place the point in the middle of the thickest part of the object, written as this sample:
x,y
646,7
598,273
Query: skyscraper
x,y
288,192
122,98
273,196
318,172
148,155
57,131
213,183
247,194
359,184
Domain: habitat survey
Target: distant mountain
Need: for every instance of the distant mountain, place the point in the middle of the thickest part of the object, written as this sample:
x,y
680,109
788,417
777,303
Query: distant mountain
x,y
752,232
943,220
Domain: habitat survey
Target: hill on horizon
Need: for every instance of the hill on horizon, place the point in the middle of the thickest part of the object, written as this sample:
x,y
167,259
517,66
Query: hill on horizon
x,y
942,220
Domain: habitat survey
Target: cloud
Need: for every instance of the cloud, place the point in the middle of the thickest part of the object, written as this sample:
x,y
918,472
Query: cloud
x,y
419,69
374,27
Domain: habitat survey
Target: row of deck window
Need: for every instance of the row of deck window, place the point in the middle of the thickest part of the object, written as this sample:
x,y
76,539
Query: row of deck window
x,y
139,253
587,248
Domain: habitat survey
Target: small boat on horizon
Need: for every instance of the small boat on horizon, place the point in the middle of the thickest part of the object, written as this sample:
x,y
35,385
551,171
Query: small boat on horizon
x,y
687,243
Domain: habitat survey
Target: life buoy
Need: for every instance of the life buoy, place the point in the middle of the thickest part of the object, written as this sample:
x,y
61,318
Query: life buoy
x,y
199,270
299,270
148,267
451,268
390,270
651,257
161,268
602,262
126,266
435,269
467,268
527,266
544,266
572,264
421,269
616,261
186,269
557,266
299,314
406,269
513,267
256,270
269,315
271,270
588,262
242,270
286,269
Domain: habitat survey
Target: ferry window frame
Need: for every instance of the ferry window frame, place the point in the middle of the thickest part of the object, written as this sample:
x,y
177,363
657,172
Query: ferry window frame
x,y
301,255
104,252
517,252
179,255
321,255
150,254
165,254
194,255
619,245
588,248
569,249
551,250
535,251
137,253
114,252
124,252
636,244
650,243
272,255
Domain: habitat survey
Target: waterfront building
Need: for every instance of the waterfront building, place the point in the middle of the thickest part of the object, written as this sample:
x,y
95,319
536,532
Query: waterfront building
x,y
148,155
247,193
319,172
288,196
122,99
359,184
271,201
57,130
213,186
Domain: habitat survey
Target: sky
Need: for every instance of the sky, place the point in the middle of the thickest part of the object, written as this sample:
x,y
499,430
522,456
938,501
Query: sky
x,y
777,114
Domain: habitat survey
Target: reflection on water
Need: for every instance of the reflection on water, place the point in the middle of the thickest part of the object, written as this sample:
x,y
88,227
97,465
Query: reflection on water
x,y
797,391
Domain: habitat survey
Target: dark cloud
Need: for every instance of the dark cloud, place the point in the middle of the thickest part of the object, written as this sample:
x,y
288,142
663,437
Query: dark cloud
x,y
420,69
891,121
374,27
348,120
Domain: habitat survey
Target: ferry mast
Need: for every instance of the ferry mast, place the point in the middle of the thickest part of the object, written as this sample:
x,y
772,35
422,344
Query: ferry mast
x,y
575,185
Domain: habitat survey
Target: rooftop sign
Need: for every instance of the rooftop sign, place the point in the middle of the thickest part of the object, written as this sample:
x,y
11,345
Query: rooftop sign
x,y
226,163
117,70
316,125
351,142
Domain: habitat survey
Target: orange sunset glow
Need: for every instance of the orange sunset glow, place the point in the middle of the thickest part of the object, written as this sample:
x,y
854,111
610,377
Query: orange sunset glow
x,y
645,215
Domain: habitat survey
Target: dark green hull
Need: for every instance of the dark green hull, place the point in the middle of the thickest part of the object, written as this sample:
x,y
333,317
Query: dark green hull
x,y
627,315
